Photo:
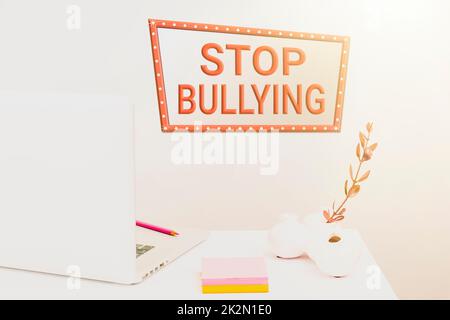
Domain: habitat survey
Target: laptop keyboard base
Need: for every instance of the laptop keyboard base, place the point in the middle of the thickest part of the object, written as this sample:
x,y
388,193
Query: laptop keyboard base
x,y
142,249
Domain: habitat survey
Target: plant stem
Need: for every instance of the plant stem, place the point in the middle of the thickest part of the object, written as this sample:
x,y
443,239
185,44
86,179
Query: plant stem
x,y
354,180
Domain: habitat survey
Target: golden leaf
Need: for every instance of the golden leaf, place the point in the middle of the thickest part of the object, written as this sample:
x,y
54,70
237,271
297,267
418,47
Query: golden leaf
x,y
373,147
346,187
350,170
364,176
341,212
358,151
369,127
362,139
326,215
354,191
368,153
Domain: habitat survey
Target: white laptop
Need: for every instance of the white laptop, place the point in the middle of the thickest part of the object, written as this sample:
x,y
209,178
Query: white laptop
x,y
67,191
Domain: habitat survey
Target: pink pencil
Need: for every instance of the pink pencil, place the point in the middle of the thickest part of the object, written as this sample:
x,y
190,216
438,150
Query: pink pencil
x,y
156,228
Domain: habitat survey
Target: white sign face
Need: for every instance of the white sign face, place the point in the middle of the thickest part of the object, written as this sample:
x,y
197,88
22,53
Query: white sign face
x,y
247,79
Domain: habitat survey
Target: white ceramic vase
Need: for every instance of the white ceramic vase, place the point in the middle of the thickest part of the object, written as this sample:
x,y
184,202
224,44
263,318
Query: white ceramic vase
x,y
335,254
316,224
288,238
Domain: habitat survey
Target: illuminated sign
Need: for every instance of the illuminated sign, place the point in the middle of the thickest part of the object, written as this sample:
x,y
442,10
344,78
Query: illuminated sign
x,y
247,79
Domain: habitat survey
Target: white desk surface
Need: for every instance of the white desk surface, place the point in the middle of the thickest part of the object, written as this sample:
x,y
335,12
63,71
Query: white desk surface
x,y
288,279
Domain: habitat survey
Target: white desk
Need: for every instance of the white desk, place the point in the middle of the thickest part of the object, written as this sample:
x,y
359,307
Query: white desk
x,y
288,279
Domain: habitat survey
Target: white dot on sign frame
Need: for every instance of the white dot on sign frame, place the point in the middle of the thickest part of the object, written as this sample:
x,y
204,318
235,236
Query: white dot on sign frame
x,y
314,128
290,34
336,128
185,25
174,24
238,30
304,128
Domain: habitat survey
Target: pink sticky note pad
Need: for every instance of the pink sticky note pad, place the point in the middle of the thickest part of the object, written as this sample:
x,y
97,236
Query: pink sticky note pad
x,y
223,271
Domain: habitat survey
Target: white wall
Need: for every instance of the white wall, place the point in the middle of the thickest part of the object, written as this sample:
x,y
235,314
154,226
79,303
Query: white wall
x,y
399,74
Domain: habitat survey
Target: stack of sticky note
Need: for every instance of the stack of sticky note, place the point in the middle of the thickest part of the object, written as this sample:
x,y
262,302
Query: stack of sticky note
x,y
234,275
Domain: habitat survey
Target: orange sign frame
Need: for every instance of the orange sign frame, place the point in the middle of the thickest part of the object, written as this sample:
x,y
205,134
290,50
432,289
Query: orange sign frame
x,y
166,126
